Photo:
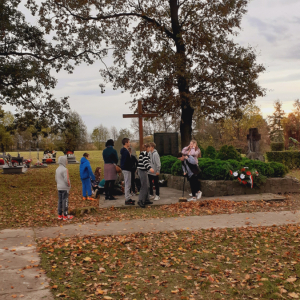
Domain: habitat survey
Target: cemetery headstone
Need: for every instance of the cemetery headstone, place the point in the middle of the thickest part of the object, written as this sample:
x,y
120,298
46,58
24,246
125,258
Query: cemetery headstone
x,y
253,145
11,166
71,157
49,157
166,143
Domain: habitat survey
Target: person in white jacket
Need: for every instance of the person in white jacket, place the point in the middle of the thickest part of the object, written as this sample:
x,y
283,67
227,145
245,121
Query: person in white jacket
x,y
153,177
63,186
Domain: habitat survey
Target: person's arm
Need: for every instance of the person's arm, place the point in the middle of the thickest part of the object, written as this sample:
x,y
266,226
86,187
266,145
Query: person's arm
x,y
67,178
185,150
157,163
184,168
92,176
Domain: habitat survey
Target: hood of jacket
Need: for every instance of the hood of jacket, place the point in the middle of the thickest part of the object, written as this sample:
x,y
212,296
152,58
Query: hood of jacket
x,y
83,160
62,160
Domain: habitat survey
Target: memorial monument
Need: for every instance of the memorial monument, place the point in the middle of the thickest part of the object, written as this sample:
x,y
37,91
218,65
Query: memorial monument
x,y
253,145
166,143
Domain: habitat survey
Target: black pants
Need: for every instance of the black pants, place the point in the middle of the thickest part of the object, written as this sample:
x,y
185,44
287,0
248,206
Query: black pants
x,y
155,178
195,185
132,181
109,187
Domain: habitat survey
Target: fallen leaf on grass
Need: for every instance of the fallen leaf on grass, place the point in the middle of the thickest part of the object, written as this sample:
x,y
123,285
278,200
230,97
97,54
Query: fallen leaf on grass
x,y
291,279
293,295
87,259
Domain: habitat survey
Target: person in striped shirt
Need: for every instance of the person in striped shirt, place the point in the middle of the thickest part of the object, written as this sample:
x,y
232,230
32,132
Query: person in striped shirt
x,y
143,168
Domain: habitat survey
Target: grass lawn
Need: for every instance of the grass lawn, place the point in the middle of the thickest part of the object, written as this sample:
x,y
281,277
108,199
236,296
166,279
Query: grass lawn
x,y
30,200
245,263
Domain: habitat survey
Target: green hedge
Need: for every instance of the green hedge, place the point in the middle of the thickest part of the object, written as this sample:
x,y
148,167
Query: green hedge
x,y
216,169
166,163
289,158
228,152
210,152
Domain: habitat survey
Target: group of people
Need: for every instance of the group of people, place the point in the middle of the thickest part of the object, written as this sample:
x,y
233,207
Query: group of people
x,y
147,167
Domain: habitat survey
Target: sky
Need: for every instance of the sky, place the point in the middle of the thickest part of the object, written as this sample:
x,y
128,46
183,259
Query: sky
x,y
269,26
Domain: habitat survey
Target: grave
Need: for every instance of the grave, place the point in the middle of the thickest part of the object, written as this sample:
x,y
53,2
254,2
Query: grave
x,y
166,143
49,157
253,145
71,157
11,167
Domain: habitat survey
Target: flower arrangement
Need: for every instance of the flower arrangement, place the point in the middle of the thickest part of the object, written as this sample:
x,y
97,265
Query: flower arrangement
x,y
2,161
49,161
247,177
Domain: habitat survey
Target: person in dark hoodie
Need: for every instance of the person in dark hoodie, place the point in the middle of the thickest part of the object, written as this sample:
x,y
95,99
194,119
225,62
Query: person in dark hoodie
x,y
63,186
86,174
125,163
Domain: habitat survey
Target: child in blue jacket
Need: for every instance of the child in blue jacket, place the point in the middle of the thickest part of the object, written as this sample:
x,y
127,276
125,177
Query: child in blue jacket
x,y
86,174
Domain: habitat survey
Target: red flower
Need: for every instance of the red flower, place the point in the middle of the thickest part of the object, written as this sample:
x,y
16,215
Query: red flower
x,y
244,182
230,172
243,170
248,173
239,179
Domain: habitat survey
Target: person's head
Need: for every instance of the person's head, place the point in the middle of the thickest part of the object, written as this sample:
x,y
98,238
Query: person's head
x,y
180,156
126,142
193,144
109,143
86,155
97,173
152,146
146,147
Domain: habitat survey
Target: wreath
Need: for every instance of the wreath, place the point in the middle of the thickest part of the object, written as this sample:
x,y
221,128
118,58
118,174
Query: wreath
x,y
247,177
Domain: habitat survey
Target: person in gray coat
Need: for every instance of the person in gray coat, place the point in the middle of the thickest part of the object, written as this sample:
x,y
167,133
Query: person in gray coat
x,y
63,186
153,177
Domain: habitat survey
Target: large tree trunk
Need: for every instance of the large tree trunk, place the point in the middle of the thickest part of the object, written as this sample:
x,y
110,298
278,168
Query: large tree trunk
x,y
182,83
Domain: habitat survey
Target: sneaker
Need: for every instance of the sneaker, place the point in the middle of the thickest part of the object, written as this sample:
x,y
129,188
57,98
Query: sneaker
x,y
199,195
90,198
156,198
129,202
141,204
60,217
68,217
191,195
192,199
84,198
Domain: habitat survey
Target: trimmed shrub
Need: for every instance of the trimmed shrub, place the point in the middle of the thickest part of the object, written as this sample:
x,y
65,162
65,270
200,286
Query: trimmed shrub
x,y
166,163
210,152
177,168
202,151
214,169
277,146
291,159
228,152
261,167
280,170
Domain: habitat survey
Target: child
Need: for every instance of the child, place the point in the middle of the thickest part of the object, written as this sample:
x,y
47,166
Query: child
x,y
96,182
86,174
143,168
155,165
191,169
63,186
193,150
134,163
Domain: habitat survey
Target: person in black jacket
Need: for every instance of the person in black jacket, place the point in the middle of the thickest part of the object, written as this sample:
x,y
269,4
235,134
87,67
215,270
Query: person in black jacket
x,y
134,163
125,164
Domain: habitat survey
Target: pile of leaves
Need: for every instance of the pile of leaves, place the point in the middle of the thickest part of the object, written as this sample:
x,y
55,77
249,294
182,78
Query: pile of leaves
x,y
241,263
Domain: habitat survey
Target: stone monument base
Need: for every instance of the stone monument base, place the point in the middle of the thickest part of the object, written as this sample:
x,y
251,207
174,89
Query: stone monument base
x,y
256,156
13,170
72,160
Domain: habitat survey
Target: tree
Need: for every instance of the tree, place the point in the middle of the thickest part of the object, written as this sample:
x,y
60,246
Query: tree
x,y
114,132
26,60
5,137
123,133
181,52
73,134
99,136
291,124
276,122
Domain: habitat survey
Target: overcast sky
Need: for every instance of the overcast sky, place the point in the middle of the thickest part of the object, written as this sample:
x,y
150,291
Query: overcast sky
x,y
270,26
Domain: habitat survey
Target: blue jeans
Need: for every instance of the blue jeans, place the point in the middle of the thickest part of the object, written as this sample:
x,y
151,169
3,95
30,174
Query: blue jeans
x,y
63,204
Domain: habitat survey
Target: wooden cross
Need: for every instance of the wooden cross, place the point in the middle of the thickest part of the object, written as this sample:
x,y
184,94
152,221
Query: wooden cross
x,y
140,115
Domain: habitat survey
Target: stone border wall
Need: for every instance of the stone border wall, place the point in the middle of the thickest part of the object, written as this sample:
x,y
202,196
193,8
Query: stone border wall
x,y
214,188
